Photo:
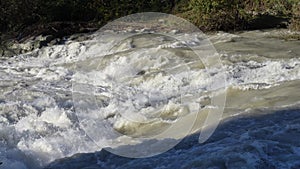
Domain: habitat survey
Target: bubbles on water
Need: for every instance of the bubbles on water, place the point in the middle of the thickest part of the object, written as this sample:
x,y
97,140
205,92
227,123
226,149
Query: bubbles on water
x,y
145,87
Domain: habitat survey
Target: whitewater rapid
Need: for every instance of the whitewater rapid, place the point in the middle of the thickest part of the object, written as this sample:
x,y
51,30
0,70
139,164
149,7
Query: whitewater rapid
x,y
39,122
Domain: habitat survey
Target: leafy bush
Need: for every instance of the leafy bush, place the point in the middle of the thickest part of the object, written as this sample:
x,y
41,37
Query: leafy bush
x,y
270,7
295,21
14,14
207,14
217,14
239,14
17,13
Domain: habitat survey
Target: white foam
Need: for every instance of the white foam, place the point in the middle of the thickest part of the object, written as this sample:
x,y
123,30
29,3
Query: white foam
x,y
38,130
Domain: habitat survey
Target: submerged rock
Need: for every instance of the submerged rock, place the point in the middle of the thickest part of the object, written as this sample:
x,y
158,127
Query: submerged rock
x,y
14,47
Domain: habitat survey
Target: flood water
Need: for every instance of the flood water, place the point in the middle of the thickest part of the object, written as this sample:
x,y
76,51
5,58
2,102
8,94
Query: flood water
x,y
80,97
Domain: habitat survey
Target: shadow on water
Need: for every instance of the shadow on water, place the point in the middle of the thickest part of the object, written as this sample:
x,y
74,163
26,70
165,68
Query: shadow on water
x,y
248,141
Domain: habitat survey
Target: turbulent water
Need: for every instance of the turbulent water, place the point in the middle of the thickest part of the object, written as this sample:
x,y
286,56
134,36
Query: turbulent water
x,y
79,97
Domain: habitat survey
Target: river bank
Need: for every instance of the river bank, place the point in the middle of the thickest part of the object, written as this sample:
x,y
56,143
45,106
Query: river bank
x,y
58,33
25,26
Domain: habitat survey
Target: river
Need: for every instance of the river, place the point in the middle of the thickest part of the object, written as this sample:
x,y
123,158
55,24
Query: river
x,y
113,90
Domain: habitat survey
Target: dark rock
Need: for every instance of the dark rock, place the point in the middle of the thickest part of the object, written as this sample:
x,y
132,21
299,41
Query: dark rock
x,y
142,72
268,21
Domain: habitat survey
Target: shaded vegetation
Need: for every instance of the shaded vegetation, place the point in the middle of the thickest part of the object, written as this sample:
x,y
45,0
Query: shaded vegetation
x,y
17,14
27,17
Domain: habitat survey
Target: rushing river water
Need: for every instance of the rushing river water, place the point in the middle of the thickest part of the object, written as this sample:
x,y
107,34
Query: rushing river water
x,y
139,88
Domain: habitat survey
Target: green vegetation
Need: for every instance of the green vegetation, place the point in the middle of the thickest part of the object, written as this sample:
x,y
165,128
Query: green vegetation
x,y
241,14
23,17
295,21
17,14
217,14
